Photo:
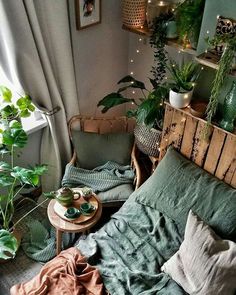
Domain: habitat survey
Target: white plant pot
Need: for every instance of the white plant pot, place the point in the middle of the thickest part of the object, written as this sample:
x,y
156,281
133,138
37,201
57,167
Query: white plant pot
x,y
180,100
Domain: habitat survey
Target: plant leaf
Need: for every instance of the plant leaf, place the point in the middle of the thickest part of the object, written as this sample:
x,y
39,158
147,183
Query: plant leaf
x,y
5,180
14,137
5,93
25,176
134,83
8,245
111,100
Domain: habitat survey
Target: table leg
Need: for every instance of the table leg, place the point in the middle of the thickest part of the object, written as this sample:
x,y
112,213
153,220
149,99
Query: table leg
x,y
59,240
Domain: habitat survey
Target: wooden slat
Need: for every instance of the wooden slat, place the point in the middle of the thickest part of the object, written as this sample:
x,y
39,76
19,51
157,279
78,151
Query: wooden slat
x,y
200,145
90,125
166,130
214,151
177,129
188,137
233,181
227,157
230,173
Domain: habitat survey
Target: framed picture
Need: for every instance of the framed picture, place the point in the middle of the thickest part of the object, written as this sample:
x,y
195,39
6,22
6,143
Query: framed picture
x,y
88,13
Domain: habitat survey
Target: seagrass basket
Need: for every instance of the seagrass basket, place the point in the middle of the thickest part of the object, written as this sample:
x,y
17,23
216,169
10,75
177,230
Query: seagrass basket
x,y
134,12
147,140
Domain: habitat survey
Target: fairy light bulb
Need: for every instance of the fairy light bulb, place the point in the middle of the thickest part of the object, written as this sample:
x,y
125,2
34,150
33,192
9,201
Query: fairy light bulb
x,y
140,39
131,60
131,73
208,31
133,93
137,50
202,68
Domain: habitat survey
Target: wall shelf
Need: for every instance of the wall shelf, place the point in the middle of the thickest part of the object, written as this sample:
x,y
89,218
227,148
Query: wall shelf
x,y
207,59
144,31
211,60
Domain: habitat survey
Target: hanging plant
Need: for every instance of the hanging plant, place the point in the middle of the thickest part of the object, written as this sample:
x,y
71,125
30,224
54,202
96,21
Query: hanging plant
x,y
225,65
158,41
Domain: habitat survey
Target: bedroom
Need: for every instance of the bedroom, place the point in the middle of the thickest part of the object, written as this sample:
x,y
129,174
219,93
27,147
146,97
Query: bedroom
x,y
67,68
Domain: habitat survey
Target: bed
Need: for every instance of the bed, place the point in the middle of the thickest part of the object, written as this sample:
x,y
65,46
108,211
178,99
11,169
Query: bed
x,y
131,249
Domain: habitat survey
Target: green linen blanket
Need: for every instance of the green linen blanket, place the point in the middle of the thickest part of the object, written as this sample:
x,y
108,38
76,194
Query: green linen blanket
x,y
130,249
101,178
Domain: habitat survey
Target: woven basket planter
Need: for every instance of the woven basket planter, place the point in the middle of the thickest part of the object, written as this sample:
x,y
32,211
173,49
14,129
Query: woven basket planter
x,y
134,12
147,140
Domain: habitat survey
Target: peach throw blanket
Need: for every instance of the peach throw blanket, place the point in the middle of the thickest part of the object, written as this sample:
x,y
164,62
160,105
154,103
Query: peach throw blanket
x,y
66,274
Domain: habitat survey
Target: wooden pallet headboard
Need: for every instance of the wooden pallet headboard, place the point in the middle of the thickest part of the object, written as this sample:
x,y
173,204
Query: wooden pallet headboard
x,y
217,155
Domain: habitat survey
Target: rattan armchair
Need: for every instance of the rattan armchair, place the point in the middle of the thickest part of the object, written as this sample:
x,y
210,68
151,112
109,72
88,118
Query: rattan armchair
x,y
103,126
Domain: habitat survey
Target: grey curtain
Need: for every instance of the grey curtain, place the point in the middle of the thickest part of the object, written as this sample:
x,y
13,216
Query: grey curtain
x,y
36,52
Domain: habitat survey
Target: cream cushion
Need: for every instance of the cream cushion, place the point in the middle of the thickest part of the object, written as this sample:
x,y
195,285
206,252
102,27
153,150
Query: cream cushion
x,y
204,264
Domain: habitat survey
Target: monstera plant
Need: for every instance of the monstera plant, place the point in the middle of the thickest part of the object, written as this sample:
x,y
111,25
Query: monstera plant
x,y
13,178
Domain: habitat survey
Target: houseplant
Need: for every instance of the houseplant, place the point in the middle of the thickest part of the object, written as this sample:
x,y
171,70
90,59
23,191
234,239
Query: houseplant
x,y
158,41
13,178
224,68
183,78
188,20
148,110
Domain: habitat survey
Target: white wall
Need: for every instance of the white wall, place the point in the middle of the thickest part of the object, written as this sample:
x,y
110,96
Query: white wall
x,y
101,54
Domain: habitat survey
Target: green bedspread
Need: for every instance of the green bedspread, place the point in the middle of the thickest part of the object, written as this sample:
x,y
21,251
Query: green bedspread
x,y
101,178
130,249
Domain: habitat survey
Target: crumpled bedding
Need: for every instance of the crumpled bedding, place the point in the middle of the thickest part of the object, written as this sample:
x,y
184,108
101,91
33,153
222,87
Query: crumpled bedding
x,y
130,249
67,274
101,178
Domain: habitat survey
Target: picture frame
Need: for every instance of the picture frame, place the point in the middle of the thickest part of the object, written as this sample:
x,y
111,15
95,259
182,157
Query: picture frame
x,y
87,13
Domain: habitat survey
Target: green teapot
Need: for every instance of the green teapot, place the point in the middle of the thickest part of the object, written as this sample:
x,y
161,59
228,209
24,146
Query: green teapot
x,y
64,196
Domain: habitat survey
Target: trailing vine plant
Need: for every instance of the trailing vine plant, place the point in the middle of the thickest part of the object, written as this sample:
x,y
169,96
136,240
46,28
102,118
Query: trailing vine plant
x,y
158,41
225,64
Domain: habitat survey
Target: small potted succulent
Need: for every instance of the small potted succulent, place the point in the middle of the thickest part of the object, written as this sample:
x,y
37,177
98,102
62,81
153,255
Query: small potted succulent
x,y
13,178
183,78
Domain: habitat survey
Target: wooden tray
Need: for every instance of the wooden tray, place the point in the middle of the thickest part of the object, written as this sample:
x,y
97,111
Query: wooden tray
x,y
60,210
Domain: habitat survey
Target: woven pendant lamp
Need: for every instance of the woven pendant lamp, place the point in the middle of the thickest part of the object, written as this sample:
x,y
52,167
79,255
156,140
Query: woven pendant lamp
x,y
134,12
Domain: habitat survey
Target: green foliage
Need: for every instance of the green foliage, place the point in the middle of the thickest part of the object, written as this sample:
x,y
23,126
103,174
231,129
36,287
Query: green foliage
x,y
13,178
188,20
149,108
158,41
184,76
225,63
8,245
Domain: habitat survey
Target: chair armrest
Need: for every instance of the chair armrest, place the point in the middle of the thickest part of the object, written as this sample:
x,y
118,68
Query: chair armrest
x,y
73,159
136,167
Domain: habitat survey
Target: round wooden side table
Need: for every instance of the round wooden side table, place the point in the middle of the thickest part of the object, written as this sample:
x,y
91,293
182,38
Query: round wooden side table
x,y
62,225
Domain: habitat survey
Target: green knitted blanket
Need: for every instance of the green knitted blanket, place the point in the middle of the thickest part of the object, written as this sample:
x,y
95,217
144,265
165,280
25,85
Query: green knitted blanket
x,y
100,179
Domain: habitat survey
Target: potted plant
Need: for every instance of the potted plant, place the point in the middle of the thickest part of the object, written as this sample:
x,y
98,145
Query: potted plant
x,y
183,77
188,20
148,110
13,178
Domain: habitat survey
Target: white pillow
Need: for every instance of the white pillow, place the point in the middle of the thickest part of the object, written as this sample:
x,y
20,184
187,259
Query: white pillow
x,y
204,264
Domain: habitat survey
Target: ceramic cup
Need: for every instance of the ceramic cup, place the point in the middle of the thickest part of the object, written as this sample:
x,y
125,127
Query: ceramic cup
x,y
72,213
86,208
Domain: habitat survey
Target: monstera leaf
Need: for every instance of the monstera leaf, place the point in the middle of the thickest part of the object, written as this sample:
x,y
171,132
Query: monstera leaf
x,y
8,245
25,176
14,137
